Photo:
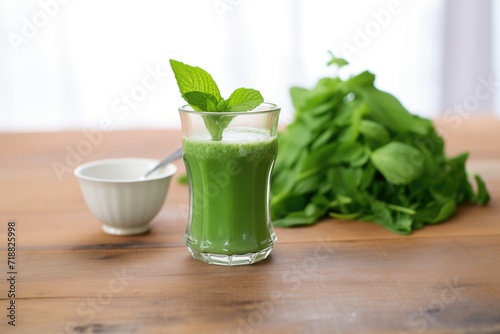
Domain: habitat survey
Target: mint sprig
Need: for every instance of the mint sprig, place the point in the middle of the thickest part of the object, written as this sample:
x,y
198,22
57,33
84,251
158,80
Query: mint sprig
x,y
199,90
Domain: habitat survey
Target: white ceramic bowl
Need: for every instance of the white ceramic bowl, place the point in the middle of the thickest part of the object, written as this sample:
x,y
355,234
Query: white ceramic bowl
x,y
116,195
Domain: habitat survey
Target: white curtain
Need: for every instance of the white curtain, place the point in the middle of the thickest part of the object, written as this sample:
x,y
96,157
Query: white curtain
x,y
496,52
68,64
467,76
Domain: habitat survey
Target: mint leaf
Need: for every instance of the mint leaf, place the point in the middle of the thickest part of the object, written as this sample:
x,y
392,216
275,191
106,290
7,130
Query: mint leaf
x,y
194,79
200,91
201,101
243,99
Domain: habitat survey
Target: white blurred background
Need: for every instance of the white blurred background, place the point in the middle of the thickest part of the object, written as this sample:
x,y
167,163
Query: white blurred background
x,y
74,64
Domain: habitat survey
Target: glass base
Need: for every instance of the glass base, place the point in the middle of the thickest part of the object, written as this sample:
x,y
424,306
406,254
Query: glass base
x,y
230,260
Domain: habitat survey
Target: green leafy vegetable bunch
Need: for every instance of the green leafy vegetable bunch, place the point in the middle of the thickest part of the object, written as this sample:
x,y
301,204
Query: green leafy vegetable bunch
x,y
354,152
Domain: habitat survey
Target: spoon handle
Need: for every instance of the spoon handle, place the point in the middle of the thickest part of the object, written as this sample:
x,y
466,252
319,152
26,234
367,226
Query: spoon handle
x,y
171,158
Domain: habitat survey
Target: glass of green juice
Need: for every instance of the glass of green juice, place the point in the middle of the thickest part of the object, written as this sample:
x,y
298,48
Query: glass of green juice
x,y
229,177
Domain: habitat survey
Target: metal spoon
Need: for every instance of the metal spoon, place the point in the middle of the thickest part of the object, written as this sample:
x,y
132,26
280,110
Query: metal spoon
x,y
171,158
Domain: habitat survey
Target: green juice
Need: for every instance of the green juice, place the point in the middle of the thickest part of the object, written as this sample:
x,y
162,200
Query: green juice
x,y
229,196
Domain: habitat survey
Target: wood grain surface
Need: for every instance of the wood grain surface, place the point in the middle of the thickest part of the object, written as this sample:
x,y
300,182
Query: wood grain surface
x,y
334,277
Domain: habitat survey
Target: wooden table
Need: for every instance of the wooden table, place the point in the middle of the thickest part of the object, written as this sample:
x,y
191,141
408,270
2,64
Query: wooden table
x,y
334,277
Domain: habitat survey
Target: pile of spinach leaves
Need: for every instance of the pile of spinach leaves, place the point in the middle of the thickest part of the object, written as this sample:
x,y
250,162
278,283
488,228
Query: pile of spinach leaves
x,y
354,152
